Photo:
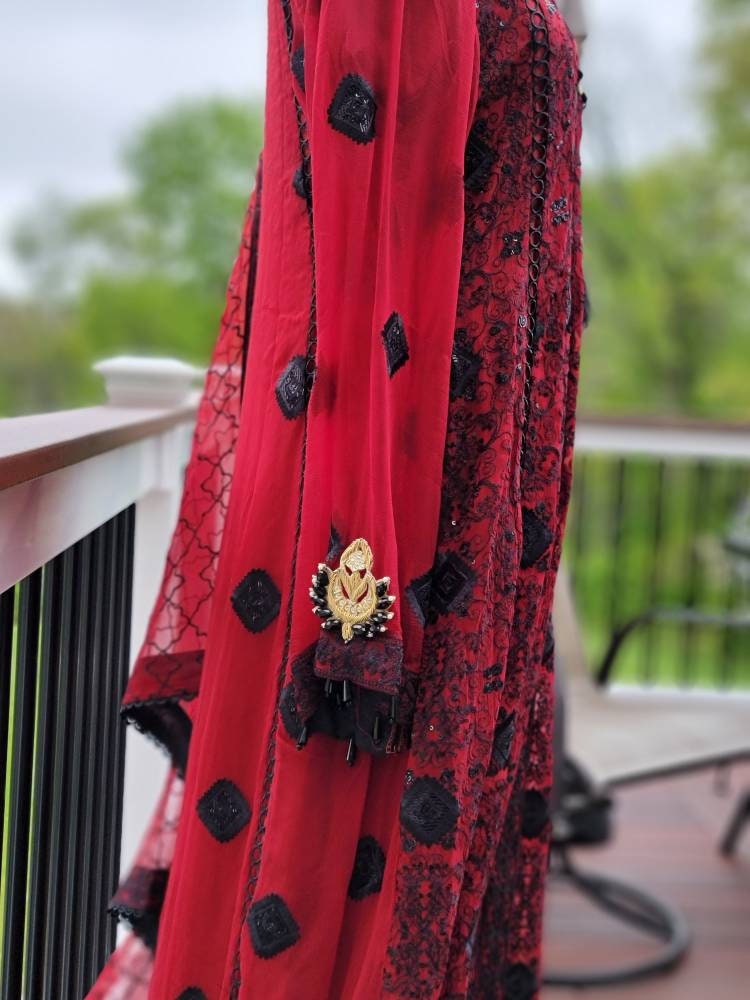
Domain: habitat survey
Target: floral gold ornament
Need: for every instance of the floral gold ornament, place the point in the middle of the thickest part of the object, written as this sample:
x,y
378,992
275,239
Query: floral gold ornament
x,y
349,598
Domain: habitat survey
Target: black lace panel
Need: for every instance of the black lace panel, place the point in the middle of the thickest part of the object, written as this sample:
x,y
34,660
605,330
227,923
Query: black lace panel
x,y
535,814
465,365
452,579
479,158
519,983
272,927
256,600
369,865
394,339
536,538
223,809
298,66
192,993
428,810
291,388
501,745
352,110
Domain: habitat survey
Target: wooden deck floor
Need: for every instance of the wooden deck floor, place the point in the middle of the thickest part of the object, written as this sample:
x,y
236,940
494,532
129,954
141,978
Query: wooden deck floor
x,y
666,836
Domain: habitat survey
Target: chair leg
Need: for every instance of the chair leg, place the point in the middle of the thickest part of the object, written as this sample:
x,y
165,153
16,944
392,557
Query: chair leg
x,y
632,906
740,819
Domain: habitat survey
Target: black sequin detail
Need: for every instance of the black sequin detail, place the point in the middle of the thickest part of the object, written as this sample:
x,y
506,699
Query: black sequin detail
x,y
369,865
396,347
352,110
512,244
535,814
519,982
501,745
256,600
272,927
192,993
479,158
418,593
452,579
560,211
465,366
298,66
291,388
428,810
223,810
301,183
288,710
536,538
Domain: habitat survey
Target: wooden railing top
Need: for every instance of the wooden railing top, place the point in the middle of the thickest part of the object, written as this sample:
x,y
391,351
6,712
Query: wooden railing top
x,y
38,445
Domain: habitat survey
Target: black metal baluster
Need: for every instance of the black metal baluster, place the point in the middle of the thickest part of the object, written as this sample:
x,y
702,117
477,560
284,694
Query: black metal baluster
x,y
616,588
69,916
120,668
654,581
21,749
696,508
91,915
50,915
7,617
40,848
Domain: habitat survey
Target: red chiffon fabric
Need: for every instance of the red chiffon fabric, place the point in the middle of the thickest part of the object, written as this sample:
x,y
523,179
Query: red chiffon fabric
x,y
407,307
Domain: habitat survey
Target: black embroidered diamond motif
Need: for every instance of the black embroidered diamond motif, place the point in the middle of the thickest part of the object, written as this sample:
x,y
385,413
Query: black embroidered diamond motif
x,y
451,580
534,815
301,184
298,66
501,745
519,983
223,809
418,593
272,927
256,600
536,538
352,110
291,390
428,810
479,158
369,865
464,368
394,338
192,993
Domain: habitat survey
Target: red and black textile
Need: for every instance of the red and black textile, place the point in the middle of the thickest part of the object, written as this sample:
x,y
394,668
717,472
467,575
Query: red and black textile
x,y
365,801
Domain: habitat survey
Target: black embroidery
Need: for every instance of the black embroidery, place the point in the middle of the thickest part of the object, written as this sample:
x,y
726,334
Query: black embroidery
x,y
452,579
479,158
512,243
192,993
536,538
418,594
535,814
519,983
223,809
298,66
352,110
369,865
256,600
291,388
272,927
396,347
560,211
501,745
493,678
428,810
301,182
465,365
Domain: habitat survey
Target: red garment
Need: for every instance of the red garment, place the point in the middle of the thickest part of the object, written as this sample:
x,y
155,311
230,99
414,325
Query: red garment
x,y
407,304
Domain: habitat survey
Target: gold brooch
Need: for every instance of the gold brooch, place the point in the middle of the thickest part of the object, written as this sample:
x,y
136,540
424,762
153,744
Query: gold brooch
x,y
350,598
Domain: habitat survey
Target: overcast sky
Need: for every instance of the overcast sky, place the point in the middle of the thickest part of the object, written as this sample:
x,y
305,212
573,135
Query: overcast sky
x,y
76,77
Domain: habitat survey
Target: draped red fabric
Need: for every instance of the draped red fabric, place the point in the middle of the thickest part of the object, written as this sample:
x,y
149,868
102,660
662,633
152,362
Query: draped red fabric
x,y
365,807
